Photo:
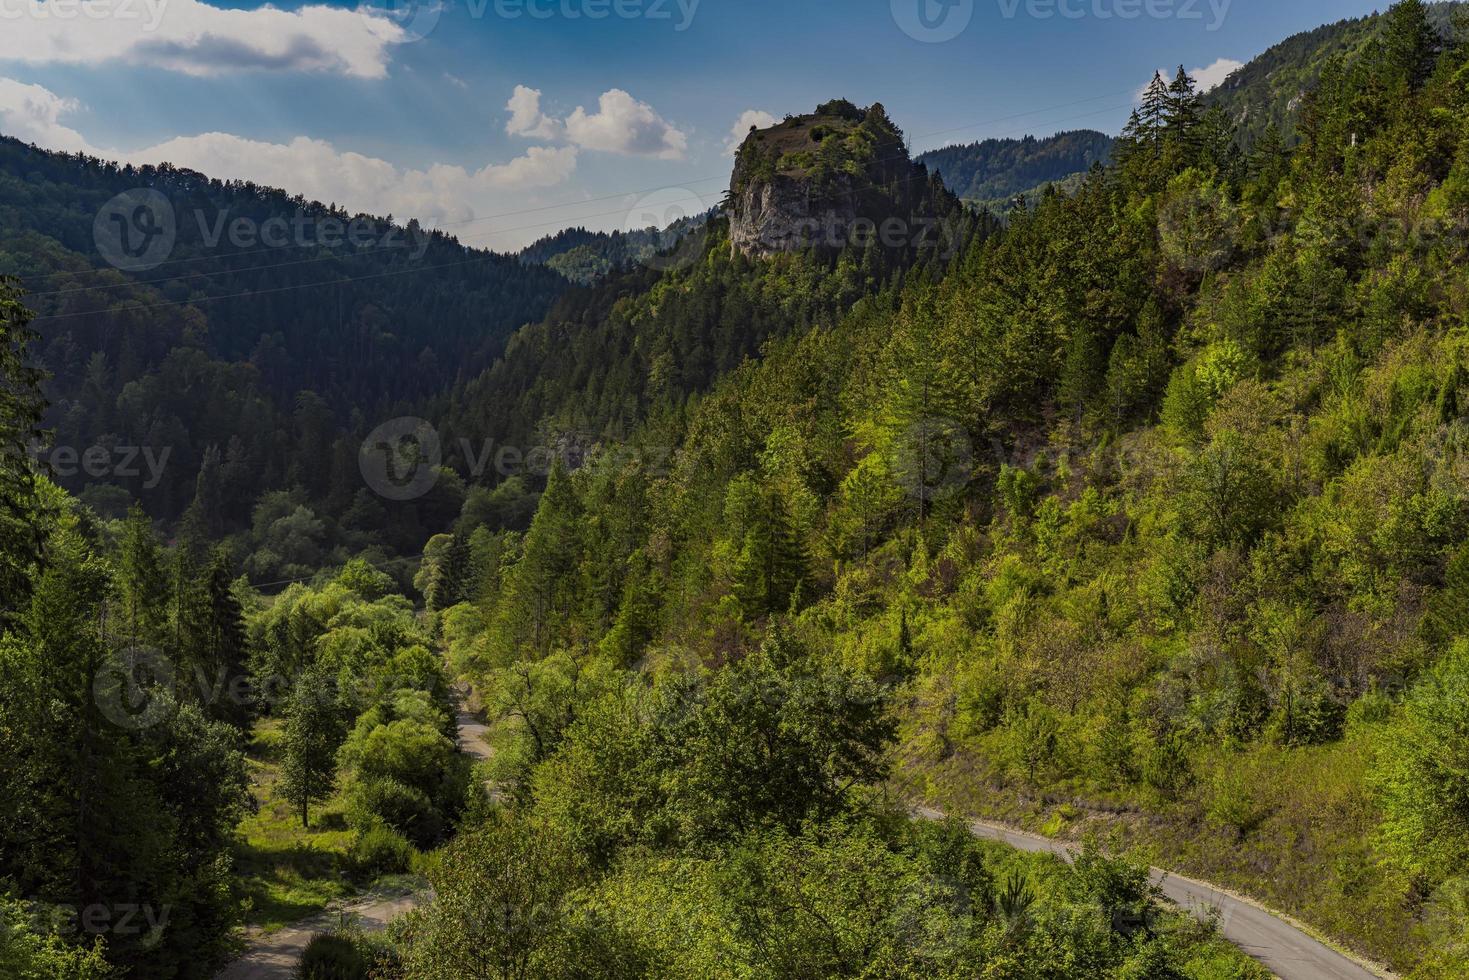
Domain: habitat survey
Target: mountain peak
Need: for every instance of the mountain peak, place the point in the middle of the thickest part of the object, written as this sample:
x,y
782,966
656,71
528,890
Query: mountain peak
x,y
823,180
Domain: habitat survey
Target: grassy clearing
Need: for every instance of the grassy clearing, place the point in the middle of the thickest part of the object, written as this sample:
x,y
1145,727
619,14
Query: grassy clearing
x,y
287,872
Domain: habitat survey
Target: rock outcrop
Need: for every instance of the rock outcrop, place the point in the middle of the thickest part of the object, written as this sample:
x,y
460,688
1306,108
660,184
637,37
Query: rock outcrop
x,y
840,176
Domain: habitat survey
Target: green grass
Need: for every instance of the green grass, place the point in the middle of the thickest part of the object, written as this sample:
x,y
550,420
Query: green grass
x,y
287,872
1291,827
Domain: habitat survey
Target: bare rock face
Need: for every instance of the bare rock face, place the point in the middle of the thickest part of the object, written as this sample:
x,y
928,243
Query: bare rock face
x,y
837,177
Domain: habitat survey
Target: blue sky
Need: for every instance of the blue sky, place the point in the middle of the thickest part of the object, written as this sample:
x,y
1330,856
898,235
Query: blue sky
x,y
351,104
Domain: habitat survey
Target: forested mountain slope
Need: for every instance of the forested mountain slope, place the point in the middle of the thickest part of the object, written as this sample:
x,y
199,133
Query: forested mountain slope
x,y
999,169
238,339
1143,516
1152,505
1271,89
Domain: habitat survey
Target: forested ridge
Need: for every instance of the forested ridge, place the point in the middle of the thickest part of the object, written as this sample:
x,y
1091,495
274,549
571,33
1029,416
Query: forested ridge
x,y
1000,169
1139,519
253,361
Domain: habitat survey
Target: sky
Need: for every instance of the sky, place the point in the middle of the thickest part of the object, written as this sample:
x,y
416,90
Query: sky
x,y
501,121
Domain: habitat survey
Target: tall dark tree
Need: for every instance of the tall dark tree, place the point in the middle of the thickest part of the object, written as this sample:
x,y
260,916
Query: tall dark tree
x,y
21,406
1410,43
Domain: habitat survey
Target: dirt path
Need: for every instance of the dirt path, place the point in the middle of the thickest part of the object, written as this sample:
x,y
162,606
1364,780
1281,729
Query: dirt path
x,y
274,956
1281,946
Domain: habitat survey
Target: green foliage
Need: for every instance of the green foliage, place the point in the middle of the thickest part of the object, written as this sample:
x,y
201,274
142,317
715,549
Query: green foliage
x,y
29,954
20,418
380,850
313,731
332,956
1422,775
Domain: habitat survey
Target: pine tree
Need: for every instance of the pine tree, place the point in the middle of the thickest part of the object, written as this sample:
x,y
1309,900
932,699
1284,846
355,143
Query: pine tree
x,y
1182,118
21,406
454,574
224,649
1154,111
1410,44
540,594
142,584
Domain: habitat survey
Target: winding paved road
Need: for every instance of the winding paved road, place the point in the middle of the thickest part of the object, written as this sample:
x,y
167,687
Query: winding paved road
x,y
1281,947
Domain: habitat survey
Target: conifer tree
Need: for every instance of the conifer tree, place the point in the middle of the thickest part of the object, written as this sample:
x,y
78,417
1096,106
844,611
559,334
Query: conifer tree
x,y
20,418
1182,121
142,584
1410,43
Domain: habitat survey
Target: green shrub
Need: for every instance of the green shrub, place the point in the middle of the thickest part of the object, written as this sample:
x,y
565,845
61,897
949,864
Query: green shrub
x,y
374,802
333,957
381,851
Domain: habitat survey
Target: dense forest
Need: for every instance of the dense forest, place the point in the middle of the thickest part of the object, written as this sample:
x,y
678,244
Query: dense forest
x,y
1002,169
231,384
1138,519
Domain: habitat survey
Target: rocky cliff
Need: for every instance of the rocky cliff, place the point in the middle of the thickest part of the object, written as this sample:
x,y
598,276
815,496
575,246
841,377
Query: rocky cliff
x,y
837,177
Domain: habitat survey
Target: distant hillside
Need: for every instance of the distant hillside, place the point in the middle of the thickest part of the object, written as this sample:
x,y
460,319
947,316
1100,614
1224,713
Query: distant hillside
x,y
255,335
1272,87
586,257
1001,169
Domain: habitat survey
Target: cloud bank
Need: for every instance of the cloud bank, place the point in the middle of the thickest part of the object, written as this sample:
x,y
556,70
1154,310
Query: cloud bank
x,y
194,38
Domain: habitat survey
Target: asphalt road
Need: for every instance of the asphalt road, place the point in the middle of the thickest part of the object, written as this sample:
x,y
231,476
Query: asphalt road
x,y
1282,948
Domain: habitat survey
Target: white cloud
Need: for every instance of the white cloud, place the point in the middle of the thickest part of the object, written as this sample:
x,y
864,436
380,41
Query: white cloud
x,y
758,118
1208,78
445,196
194,38
624,125
33,114
526,117
1212,77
